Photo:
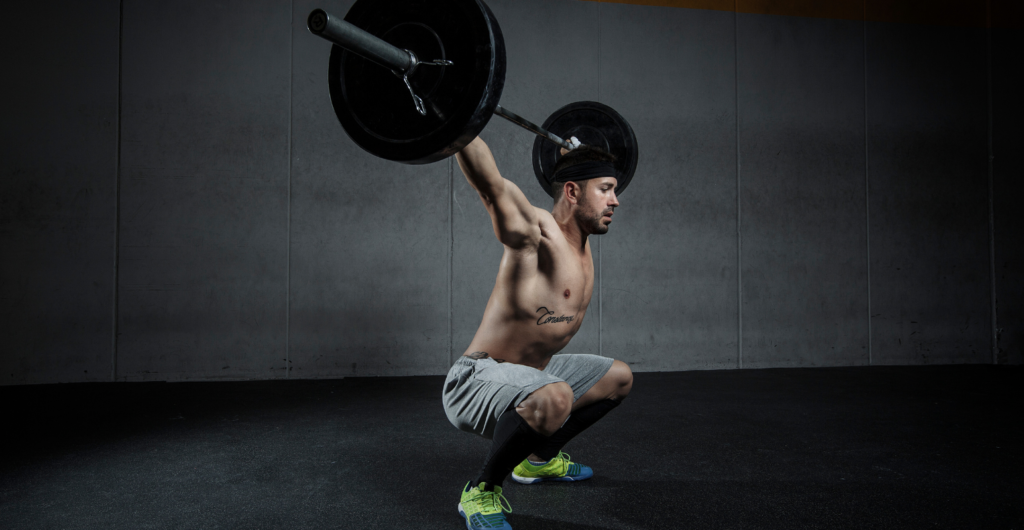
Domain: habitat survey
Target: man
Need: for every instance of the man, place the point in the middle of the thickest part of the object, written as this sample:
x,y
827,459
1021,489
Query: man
x,y
507,386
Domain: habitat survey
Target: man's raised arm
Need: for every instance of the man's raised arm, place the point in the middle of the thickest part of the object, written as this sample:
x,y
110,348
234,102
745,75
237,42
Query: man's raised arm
x,y
514,218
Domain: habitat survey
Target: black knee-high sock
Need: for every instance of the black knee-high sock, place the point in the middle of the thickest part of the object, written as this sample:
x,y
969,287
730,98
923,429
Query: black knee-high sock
x,y
513,441
577,422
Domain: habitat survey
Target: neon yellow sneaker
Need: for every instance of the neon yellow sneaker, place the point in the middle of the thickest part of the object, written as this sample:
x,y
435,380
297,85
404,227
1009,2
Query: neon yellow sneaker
x,y
559,469
483,509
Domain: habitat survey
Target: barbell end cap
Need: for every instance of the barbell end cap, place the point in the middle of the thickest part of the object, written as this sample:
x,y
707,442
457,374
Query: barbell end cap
x,y
316,22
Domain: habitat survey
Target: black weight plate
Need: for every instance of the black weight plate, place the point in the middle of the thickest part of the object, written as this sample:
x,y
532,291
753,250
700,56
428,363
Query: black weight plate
x,y
374,105
592,123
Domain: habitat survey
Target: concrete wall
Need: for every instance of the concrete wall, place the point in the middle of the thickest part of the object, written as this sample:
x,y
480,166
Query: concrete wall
x,y
1008,190
370,240
203,261
811,192
801,141
668,279
928,178
58,192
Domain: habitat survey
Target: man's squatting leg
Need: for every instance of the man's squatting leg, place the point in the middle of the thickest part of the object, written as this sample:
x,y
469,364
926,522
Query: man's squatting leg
x,y
522,430
604,396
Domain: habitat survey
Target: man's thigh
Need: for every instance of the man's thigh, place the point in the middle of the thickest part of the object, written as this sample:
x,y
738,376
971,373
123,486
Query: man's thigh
x,y
478,392
582,371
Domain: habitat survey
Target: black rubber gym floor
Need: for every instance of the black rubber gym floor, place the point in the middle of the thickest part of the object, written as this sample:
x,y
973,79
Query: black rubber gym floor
x,y
880,447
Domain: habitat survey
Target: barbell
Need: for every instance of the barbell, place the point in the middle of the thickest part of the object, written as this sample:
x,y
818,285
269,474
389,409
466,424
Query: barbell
x,y
414,81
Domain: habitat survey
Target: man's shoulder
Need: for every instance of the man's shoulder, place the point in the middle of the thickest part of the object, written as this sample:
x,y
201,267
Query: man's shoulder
x,y
544,214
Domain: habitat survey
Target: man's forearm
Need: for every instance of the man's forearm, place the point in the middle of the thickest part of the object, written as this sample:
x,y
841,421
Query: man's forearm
x,y
477,163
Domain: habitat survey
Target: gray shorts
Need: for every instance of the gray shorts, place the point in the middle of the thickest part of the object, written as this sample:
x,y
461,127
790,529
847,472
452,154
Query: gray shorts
x,y
477,392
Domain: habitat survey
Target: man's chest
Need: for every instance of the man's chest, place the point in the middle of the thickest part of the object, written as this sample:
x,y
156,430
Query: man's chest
x,y
567,278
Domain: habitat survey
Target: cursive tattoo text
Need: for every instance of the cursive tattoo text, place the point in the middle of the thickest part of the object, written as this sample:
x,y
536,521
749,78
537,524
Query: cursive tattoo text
x,y
546,318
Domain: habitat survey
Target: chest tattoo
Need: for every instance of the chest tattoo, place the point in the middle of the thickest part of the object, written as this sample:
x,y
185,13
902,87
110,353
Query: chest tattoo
x,y
546,318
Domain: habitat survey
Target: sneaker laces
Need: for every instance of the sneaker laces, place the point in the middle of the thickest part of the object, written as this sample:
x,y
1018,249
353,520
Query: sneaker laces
x,y
491,501
564,462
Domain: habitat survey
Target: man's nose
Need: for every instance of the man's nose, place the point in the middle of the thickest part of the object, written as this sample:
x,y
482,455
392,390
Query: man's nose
x,y
614,201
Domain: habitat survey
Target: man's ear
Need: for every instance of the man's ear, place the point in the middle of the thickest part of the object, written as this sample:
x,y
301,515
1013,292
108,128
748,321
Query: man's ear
x,y
572,192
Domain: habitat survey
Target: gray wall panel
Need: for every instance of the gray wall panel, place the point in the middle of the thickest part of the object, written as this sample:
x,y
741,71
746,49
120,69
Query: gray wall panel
x,y
540,36
1008,170
927,121
204,190
669,264
801,141
256,240
57,193
369,241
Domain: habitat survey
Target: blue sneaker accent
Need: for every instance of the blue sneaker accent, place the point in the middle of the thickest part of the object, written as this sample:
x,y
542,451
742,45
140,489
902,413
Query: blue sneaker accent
x,y
494,521
577,472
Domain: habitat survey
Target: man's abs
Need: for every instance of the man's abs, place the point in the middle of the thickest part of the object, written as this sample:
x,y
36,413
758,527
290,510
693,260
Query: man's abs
x,y
530,332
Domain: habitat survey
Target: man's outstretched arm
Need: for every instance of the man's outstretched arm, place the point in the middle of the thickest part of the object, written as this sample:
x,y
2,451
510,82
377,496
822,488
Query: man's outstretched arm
x,y
514,218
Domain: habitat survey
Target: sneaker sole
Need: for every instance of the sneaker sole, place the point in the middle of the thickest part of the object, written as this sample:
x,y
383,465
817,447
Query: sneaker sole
x,y
524,480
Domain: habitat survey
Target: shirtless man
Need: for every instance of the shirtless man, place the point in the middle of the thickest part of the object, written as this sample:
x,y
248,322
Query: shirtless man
x,y
509,386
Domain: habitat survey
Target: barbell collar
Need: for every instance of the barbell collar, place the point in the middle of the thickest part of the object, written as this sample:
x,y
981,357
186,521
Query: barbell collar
x,y
532,127
359,42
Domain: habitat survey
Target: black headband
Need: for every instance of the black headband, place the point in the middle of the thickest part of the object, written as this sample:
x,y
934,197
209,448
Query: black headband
x,y
585,171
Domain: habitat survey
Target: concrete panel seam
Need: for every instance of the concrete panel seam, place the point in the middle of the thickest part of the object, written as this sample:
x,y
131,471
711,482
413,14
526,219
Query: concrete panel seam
x,y
600,254
991,200
288,207
867,187
451,256
117,192
739,202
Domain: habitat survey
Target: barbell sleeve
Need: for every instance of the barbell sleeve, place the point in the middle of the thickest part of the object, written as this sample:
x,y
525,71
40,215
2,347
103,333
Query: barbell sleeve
x,y
360,42
530,126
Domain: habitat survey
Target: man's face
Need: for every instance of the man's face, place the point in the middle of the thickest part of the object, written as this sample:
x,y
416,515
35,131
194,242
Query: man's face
x,y
597,204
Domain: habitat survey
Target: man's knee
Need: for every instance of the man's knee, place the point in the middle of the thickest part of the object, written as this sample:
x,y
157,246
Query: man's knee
x,y
547,407
622,376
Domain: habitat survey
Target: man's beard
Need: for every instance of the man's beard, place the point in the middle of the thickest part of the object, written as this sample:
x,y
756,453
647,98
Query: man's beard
x,y
592,225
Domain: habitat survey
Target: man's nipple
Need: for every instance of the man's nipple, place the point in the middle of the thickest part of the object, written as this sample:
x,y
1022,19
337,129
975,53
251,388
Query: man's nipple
x,y
567,293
